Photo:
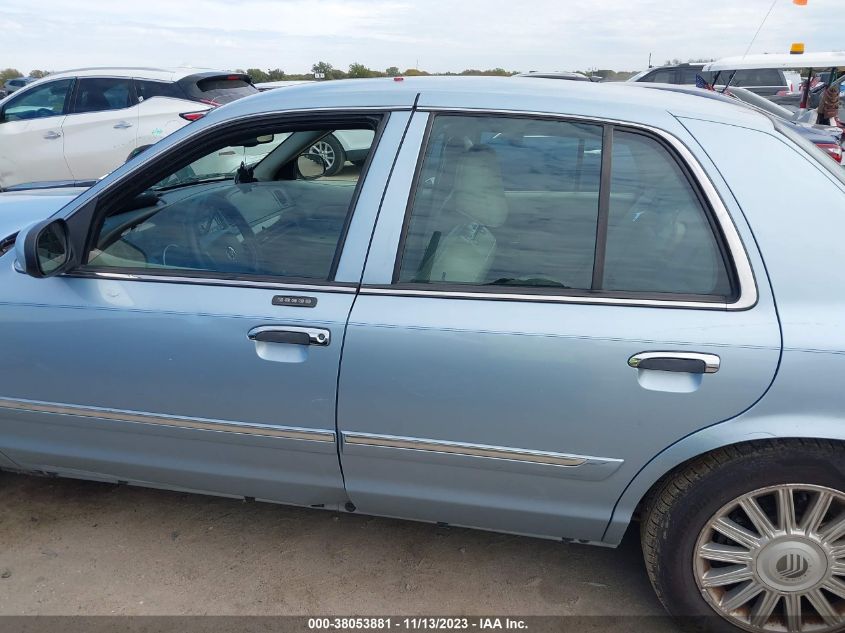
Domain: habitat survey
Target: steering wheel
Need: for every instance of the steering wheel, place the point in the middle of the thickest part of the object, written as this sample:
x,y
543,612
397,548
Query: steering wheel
x,y
213,226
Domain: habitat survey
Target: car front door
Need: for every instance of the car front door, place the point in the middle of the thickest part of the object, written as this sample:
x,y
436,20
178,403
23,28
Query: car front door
x,y
101,129
568,300
31,142
198,347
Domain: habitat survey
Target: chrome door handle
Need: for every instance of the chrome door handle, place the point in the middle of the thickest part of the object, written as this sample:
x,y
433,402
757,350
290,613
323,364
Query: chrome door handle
x,y
122,125
52,135
684,362
290,335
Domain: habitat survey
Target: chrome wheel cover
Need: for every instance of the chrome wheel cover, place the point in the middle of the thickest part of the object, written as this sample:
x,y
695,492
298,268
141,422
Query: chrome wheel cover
x,y
325,151
774,560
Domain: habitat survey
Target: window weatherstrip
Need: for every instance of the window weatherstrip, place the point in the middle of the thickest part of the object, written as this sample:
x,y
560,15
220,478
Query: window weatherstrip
x,y
604,209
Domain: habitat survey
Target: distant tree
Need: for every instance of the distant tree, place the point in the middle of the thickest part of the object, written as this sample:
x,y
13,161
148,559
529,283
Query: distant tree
x,y
38,74
10,73
415,72
328,71
492,72
257,75
393,71
276,74
359,71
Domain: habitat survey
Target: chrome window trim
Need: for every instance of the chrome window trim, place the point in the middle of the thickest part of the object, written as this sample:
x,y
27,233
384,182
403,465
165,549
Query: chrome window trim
x,y
748,293
226,426
213,281
545,458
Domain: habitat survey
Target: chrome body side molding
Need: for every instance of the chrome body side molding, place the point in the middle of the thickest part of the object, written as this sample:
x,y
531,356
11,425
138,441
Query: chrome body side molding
x,y
202,424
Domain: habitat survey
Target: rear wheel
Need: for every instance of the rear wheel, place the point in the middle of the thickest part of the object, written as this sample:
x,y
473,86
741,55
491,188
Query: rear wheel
x,y
331,151
753,534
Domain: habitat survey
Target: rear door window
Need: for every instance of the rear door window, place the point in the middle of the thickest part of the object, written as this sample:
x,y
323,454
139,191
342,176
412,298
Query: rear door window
x,y
659,238
99,94
514,202
148,89
506,202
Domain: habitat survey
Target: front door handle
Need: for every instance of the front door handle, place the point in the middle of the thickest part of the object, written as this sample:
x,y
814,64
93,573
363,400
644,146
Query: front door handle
x,y
52,135
122,125
290,335
684,362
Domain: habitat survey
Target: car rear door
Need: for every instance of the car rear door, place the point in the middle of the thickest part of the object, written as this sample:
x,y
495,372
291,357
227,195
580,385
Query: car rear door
x,y
31,141
179,356
560,302
101,129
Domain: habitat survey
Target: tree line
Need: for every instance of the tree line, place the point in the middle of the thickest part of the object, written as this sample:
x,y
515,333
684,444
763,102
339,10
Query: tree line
x,y
355,71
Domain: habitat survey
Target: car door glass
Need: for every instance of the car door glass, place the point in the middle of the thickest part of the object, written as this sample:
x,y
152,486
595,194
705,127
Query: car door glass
x,y
659,237
505,201
99,94
43,101
661,77
248,208
149,89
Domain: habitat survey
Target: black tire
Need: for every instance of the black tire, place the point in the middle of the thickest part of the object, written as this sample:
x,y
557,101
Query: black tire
x,y
337,159
682,503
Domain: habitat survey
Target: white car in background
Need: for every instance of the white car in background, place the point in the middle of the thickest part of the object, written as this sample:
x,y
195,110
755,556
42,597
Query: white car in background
x,y
81,124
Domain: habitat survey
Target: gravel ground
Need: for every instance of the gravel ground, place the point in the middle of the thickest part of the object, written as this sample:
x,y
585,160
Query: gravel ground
x,y
74,547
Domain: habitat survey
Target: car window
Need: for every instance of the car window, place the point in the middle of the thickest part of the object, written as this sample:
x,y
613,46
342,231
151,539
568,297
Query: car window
x,y
756,77
148,89
505,202
508,201
258,206
45,100
220,90
659,238
98,94
666,76
688,75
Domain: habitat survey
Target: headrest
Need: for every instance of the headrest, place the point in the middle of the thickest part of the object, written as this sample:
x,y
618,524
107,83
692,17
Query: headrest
x,y
479,192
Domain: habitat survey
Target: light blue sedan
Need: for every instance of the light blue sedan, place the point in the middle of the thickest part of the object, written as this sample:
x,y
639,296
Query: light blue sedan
x,y
540,307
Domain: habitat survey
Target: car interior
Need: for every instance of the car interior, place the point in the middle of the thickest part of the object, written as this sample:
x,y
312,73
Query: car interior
x,y
265,218
510,202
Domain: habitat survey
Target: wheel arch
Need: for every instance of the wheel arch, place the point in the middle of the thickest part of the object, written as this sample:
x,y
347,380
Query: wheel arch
x,y
731,433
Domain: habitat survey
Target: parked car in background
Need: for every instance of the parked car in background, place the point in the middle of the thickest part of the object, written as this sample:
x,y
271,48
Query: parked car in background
x,y
762,81
81,124
479,328
828,139
13,85
555,75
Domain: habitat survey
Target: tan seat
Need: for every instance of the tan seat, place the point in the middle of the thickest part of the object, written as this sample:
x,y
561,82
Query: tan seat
x,y
466,254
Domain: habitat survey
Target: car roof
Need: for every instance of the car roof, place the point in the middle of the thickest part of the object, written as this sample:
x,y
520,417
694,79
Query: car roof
x,y
829,59
138,72
613,101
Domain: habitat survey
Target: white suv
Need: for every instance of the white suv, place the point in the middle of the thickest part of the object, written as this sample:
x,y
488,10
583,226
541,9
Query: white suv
x,y
82,124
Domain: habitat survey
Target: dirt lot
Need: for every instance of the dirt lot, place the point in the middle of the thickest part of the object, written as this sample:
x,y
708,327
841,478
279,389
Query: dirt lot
x,y
72,547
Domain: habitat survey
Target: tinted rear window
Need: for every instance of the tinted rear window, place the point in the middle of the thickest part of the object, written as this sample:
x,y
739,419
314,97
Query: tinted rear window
x,y
149,89
757,77
220,90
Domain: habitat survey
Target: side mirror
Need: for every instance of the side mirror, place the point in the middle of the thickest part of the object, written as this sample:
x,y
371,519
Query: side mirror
x,y
310,166
43,249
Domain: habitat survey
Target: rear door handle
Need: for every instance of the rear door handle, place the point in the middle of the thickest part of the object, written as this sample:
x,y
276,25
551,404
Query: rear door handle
x,y
684,362
122,125
290,335
52,135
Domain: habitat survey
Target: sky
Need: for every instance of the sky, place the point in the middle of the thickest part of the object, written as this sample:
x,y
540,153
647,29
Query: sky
x,y
435,35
